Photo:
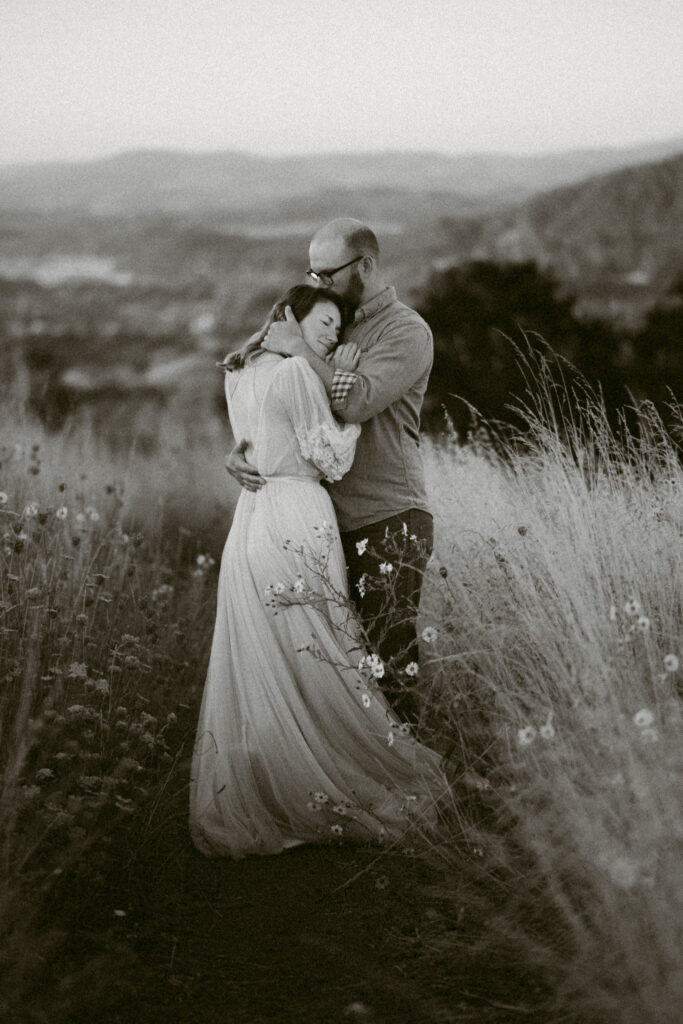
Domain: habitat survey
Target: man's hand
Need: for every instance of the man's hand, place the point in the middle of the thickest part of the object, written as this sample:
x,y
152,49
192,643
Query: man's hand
x,y
243,471
346,356
284,336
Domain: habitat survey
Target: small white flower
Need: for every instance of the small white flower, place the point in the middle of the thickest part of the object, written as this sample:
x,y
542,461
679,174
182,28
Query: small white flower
x,y
412,668
612,613
321,797
632,606
361,546
375,664
339,809
429,634
386,568
119,913
366,700
526,736
404,529
643,718
3,499
44,773
404,729
31,510
279,588
62,512
671,663
298,586
92,514
337,829
649,734
313,806
201,559
643,623
80,518
547,730
360,586
390,737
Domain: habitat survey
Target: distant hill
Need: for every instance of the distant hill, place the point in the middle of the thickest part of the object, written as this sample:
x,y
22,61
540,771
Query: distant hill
x,y
616,240
191,183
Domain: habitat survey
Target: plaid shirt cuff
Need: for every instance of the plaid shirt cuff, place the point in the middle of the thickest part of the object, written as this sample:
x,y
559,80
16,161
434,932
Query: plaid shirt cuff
x,y
342,383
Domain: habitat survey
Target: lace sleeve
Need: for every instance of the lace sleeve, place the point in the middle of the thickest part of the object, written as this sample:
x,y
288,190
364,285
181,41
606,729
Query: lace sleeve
x,y
327,443
330,447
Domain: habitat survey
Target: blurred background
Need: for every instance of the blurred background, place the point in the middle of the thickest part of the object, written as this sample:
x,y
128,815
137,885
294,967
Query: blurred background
x,y
163,165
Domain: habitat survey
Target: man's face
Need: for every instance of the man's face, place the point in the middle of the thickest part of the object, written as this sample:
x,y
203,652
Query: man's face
x,y
346,283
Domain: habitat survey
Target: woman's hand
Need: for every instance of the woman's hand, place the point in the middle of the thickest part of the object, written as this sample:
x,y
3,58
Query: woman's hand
x,y
245,474
346,356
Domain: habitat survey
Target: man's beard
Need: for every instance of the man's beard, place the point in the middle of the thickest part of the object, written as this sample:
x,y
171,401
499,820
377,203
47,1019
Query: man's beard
x,y
353,292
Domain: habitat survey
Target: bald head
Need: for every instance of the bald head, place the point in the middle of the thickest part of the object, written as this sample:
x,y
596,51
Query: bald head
x,y
347,234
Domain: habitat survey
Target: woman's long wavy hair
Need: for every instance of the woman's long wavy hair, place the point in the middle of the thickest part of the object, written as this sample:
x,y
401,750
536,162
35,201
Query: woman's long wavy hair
x,y
302,298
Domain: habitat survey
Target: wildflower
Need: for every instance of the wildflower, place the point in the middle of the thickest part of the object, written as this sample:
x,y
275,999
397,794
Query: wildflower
x,y
386,568
119,913
75,709
298,585
404,729
612,613
429,634
92,514
62,512
322,798
3,499
375,664
643,623
171,718
649,734
279,588
361,546
147,738
671,663
101,686
313,806
526,736
366,700
382,882
547,730
632,606
412,668
77,670
360,586
269,590
80,519
31,510
339,809
44,773
643,718
337,830
390,737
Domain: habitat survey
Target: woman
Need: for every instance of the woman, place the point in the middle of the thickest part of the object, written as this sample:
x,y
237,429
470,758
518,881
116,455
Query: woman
x,y
294,745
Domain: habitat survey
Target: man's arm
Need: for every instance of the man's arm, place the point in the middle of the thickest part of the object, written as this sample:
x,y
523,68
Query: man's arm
x,y
387,371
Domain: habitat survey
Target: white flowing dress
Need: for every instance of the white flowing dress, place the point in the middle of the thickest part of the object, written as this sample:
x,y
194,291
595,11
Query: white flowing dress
x,y
294,743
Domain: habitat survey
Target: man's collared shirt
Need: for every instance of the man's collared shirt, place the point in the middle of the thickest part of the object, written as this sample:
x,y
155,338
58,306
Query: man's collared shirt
x,y
385,395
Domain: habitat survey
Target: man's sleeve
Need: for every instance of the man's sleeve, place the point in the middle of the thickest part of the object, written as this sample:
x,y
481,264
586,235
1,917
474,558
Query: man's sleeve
x,y
388,370
342,382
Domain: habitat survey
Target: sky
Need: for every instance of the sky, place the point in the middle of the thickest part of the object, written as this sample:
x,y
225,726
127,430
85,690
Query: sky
x,y
82,79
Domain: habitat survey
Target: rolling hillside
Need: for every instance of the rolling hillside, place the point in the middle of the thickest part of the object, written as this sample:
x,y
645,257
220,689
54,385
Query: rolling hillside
x,y
158,180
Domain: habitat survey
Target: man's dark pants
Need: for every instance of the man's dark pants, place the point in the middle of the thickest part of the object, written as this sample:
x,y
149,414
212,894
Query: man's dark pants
x,y
404,541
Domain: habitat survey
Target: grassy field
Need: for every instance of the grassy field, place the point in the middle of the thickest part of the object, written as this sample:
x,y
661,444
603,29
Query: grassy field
x,y
552,618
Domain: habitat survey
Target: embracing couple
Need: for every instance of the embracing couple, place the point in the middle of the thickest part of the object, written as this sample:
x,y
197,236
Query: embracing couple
x,y
305,732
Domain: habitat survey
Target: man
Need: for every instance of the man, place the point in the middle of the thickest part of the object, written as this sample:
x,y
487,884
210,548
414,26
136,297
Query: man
x,y
381,504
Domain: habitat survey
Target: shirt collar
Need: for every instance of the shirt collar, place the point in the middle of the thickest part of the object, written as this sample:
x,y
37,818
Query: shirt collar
x,y
375,305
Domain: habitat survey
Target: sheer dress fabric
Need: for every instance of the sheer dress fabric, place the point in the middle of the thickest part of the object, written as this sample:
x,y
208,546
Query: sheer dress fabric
x,y
292,742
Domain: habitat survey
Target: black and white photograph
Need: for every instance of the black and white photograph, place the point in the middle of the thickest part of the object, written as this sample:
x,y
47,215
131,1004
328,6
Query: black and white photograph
x,y
341,512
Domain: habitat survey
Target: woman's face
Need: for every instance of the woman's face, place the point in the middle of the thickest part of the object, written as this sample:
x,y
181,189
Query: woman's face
x,y
321,327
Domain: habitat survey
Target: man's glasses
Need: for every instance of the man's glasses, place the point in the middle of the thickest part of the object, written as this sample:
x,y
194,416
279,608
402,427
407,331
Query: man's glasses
x,y
324,277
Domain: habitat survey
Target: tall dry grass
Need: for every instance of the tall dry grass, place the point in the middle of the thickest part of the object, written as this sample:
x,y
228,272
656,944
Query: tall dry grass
x,y
557,673
553,685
